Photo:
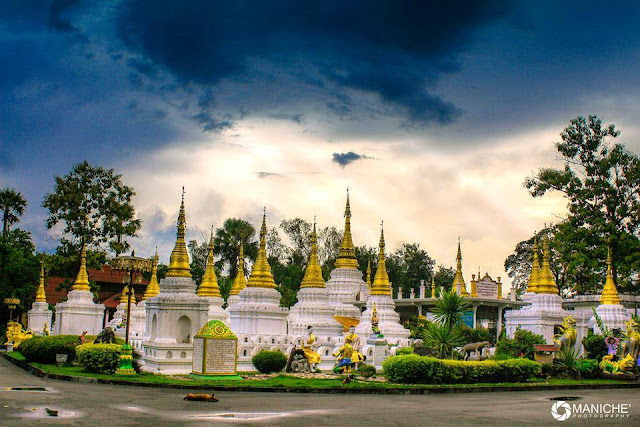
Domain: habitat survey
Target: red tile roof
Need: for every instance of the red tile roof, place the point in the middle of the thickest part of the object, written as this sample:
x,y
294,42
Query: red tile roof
x,y
545,347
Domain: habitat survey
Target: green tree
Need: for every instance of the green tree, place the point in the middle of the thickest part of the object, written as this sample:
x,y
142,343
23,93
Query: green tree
x,y
12,205
227,244
20,268
601,181
443,278
449,309
95,207
198,253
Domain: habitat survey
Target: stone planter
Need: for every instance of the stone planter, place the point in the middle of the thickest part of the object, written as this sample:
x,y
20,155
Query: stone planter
x,y
61,359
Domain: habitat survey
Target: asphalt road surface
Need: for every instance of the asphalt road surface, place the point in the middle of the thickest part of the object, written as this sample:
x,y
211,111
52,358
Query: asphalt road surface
x,y
81,404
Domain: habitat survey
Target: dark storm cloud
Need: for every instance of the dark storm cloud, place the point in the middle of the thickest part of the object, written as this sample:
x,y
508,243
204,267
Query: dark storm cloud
x,y
344,159
396,50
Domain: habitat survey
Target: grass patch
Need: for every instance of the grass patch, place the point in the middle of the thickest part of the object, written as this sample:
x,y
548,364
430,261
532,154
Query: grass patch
x,y
291,382
16,355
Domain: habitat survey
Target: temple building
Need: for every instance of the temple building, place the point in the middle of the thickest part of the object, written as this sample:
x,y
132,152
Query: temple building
x,y
345,283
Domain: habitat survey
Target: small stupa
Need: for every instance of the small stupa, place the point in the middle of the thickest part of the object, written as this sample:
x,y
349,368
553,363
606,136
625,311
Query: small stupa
x,y
380,298
611,312
139,311
313,308
79,312
346,281
39,315
175,314
210,290
458,281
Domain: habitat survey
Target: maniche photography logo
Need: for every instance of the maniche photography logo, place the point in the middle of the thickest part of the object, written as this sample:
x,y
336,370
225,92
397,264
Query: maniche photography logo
x,y
562,410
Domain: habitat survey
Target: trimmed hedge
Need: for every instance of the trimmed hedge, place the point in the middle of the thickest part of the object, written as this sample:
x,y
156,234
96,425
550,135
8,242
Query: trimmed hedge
x,y
414,369
366,370
99,358
404,350
44,349
269,361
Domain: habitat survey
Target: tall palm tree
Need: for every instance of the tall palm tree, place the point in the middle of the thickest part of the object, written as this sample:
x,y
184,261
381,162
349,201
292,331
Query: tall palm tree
x,y
227,243
450,308
12,205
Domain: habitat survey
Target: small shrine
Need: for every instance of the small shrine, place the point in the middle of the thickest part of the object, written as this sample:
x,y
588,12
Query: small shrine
x,y
215,349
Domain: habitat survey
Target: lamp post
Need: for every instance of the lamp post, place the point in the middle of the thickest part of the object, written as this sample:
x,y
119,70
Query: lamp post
x,y
130,265
11,303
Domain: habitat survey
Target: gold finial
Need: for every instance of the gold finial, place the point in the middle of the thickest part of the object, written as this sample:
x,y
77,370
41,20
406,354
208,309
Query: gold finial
x,y
534,277
179,261
209,286
459,279
82,280
125,292
609,292
239,283
152,288
261,276
433,287
346,253
40,295
313,274
546,282
369,274
381,285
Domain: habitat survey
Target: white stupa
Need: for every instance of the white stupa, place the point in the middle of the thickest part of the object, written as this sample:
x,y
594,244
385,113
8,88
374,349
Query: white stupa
x,y
175,315
346,281
118,323
313,308
138,324
40,316
388,319
79,312
210,290
611,312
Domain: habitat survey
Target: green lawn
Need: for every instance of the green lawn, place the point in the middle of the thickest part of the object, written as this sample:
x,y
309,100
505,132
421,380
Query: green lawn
x,y
291,382
16,355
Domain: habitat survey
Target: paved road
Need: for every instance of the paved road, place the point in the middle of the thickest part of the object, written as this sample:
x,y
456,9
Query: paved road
x,y
102,405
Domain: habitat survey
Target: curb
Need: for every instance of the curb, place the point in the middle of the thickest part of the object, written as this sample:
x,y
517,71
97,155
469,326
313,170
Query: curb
x,y
416,390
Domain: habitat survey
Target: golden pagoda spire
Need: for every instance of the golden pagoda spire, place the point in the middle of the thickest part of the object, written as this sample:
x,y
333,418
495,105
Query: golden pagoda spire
x,y
179,261
209,286
261,276
369,284
123,295
82,280
346,253
152,288
381,285
534,277
40,295
546,282
239,283
313,274
459,279
433,287
609,292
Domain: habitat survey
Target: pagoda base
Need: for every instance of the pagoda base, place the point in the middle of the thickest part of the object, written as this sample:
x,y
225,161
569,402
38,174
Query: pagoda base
x,y
388,321
613,316
344,287
38,316
78,314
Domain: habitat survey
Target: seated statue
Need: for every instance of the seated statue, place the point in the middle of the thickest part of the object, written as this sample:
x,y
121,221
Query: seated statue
x,y
354,341
568,336
16,335
312,356
106,336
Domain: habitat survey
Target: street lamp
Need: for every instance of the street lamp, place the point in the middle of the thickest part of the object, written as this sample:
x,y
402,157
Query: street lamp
x,y
131,265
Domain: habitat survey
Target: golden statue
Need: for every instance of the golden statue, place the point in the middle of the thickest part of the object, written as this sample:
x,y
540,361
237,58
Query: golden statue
x,y
621,366
631,344
312,357
348,355
374,320
45,330
567,338
16,335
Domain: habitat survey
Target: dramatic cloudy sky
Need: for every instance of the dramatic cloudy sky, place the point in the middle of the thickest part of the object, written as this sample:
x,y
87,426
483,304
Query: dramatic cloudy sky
x,y
432,112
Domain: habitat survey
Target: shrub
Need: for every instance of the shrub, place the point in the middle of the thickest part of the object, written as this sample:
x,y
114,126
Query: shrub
x,y
521,345
567,360
366,370
472,335
416,369
99,358
443,339
502,356
404,350
269,361
594,346
44,349
588,368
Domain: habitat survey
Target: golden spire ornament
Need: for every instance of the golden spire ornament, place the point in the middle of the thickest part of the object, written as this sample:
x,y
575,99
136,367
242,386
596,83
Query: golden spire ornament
x,y
534,277
433,287
40,295
459,279
123,295
609,292
82,280
346,253
239,283
152,288
381,285
313,274
369,284
179,261
261,276
546,283
209,286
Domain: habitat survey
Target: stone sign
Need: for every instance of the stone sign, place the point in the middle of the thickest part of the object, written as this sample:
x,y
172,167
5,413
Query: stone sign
x,y
215,350
487,289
